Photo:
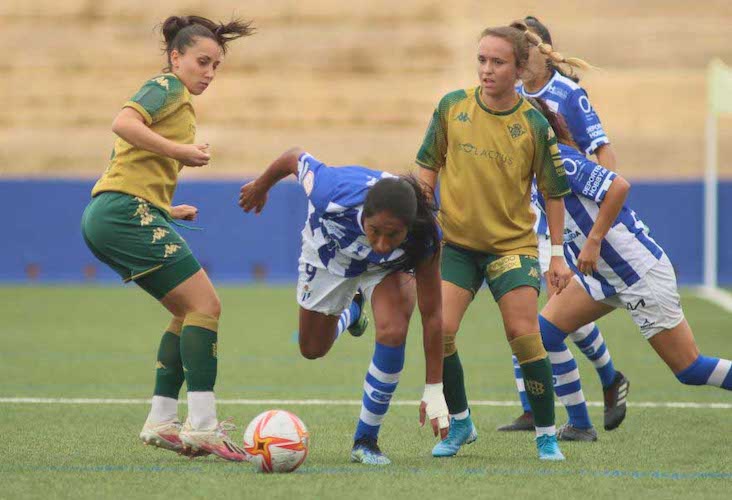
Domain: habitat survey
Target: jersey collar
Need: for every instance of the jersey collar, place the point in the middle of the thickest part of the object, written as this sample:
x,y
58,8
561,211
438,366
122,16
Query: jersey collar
x,y
497,113
541,91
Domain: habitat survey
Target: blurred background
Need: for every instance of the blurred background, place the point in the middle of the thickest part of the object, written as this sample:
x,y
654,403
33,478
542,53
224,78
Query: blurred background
x,y
353,84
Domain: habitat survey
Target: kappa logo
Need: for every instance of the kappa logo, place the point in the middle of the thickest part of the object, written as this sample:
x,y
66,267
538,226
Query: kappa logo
x,y
163,82
462,117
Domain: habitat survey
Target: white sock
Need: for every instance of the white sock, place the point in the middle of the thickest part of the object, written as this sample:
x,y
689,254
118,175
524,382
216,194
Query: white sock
x,y
546,431
202,410
462,415
163,410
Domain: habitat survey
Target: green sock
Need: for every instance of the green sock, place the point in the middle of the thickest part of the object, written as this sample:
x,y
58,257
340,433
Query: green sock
x,y
169,368
540,391
198,348
454,384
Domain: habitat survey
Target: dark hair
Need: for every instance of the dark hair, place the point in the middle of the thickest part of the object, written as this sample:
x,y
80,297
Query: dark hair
x,y
181,32
556,121
404,198
543,32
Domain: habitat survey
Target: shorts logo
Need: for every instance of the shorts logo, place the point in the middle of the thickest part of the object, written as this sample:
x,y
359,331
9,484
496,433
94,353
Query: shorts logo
x,y
215,350
143,211
159,233
534,387
630,307
501,266
516,130
305,293
170,249
647,325
534,273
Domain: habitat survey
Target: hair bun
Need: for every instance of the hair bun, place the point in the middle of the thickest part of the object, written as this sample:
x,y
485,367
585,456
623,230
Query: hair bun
x,y
172,25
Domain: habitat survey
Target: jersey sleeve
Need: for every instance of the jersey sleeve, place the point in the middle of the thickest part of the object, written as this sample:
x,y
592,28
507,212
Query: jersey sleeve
x,y
433,152
318,180
551,179
587,178
153,101
583,122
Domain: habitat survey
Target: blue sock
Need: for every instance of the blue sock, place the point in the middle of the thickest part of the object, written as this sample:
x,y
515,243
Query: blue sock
x,y
708,371
378,389
591,342
566,375
348,317
520,385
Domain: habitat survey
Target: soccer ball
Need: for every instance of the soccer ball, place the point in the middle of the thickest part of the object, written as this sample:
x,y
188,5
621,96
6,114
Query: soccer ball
x,y
276,441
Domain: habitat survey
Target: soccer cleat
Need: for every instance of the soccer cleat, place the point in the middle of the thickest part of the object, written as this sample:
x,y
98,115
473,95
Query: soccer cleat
x,y
523,423
571,433
366,451
461,432
615,397
548,447
165,435
359,326
215,441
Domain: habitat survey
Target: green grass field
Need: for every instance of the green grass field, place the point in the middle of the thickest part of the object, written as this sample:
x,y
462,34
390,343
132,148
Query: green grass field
x,y
99,342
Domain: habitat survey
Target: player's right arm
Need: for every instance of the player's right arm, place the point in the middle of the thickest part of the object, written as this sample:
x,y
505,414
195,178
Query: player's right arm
x,y
253,195
130,125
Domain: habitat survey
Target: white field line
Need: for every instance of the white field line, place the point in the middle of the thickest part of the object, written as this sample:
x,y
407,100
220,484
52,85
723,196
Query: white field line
x,y
716,296
338,402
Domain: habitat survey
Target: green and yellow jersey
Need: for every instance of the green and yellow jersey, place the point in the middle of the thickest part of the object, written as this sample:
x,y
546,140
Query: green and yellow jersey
x,y
165,104
487,161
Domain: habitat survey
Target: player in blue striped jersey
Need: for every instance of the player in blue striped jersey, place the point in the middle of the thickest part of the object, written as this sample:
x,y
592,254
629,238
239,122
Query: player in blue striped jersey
x,y
370,231
617,266
545,78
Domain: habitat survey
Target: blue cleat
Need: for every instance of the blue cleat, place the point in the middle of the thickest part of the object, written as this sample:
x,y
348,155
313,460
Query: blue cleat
x,y
461,432
548,447
366,451
359,326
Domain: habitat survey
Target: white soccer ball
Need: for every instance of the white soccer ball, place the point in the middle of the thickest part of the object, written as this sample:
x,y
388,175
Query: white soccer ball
x,y
276,441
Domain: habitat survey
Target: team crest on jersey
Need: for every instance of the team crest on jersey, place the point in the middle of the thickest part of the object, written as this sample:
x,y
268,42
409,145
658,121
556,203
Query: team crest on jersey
x,y
516,130
308,182
462,117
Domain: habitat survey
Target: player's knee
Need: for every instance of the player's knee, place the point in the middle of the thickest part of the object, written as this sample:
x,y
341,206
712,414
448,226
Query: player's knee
x,y
393,333
551,335
310,351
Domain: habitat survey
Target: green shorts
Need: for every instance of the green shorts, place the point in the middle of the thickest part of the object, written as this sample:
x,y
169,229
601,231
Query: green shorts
x,y
467,269
136,239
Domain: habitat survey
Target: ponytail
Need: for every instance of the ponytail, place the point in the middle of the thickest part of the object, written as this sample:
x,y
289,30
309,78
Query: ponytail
x,y
543,42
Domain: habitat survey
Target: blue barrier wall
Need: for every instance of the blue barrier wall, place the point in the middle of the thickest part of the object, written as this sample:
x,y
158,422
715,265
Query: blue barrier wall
x,y
41,238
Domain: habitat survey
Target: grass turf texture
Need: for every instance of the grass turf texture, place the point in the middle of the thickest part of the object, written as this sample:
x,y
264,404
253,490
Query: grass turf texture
x,y
101,343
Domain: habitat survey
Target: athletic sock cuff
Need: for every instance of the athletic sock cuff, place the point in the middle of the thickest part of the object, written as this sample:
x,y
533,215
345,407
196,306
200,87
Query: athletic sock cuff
x,y
528,348
202,321
175,326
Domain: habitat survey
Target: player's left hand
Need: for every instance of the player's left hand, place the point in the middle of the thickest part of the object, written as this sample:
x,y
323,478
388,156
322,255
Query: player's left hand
x,y
434,407
184,212
252,197
588,257
559,274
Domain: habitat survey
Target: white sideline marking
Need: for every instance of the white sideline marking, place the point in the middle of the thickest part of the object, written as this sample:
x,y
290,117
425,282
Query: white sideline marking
x,y
716,296
337,402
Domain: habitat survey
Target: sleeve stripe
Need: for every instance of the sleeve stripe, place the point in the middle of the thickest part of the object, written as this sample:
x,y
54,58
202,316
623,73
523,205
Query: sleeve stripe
x,y
145,115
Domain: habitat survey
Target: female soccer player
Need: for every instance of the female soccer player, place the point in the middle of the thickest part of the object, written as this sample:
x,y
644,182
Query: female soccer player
x,y
128,226
544,77
487,144
619,266
366,230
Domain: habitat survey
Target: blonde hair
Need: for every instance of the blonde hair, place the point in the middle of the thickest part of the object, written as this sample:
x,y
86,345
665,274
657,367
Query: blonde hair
x,y
555,58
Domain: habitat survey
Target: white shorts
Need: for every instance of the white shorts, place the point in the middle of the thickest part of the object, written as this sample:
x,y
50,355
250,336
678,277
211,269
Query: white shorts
x,y
653,302
545,252
321,291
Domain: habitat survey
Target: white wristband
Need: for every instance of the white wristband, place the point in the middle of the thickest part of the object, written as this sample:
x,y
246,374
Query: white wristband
x,y
557,250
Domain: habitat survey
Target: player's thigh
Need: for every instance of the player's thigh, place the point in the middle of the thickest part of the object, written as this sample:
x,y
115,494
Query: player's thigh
x,y
317,333
573,308
455,302
519,308
392,302
195,294
676,346
462,277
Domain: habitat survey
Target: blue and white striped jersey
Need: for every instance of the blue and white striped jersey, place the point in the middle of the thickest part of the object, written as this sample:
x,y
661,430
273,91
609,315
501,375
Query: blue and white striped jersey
x,y
334,228
566,97
626,253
